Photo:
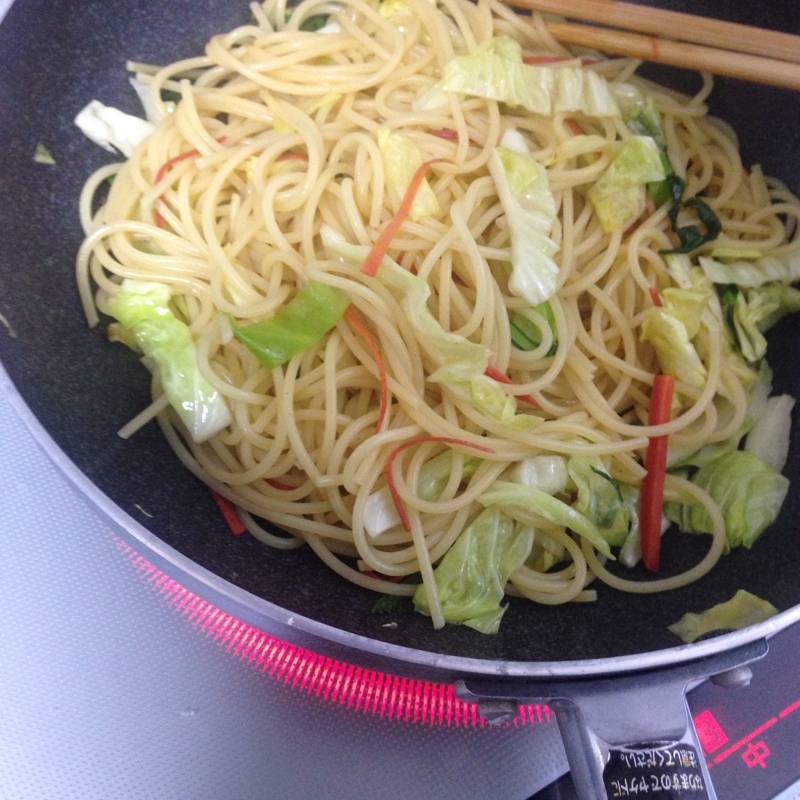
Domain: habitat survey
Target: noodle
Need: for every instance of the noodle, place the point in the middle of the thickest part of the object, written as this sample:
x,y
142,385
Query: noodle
x,y
276,137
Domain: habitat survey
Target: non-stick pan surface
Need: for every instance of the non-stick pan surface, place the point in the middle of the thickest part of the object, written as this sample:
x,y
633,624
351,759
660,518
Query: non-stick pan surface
x,y
59,54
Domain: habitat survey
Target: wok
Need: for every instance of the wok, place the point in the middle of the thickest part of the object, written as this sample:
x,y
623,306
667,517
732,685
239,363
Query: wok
x,y
59,54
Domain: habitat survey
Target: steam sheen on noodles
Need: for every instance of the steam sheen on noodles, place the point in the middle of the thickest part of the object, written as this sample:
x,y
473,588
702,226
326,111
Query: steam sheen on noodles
x,y
274,162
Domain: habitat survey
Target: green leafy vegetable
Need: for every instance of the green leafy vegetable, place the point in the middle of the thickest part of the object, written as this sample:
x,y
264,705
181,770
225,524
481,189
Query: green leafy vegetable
x,y
676,353
600,498
143,308
168,96
769,437
472,576
742,610
767,305
113,129
526,335
545,553
526,503
548,474
748,491
751,312
691,237
43,155
641,114
619,195
314,310
394,604
315,22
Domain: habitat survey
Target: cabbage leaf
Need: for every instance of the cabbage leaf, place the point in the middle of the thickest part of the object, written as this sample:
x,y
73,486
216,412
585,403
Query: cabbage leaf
x,y
753,273
619,195
748,491
112,129
602,499
676,353
742,610
526,503
495,70
530,210
548,474
770,435
472,576
142,307
401,159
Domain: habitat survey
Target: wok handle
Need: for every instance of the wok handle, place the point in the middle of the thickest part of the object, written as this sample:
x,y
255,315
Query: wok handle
x,y
626,730
600,771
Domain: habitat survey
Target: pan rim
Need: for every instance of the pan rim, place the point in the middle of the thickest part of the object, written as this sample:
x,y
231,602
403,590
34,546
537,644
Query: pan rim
x,y
252,606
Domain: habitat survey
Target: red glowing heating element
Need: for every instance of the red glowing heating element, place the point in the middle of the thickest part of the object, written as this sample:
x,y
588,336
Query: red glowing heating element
x,y
379,693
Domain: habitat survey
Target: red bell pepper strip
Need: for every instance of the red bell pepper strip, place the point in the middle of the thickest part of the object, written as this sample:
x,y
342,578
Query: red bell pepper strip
x,y
356,322
280,485
651,497
166,166
656,297
496,375
378,251
228,510
291,156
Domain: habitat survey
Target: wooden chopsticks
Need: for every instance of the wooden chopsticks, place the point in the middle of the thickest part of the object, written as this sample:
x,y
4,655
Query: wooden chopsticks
x,y
682,40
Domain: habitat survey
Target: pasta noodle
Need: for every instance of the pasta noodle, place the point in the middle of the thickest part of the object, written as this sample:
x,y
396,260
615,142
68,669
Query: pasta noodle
x,y
276,138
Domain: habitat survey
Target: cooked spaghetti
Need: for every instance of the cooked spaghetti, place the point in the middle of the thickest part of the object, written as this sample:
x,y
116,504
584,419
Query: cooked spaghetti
x,y
341,217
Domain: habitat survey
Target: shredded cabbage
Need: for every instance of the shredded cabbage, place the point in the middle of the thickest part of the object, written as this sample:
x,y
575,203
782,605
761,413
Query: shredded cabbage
x,y
753,273
525,503
748,491
495,70
619,195
401,158
112,129
530,209
739,612
143,308
472,576
770,436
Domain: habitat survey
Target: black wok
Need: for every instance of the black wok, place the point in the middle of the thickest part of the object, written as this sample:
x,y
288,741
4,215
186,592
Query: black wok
x,y
56,56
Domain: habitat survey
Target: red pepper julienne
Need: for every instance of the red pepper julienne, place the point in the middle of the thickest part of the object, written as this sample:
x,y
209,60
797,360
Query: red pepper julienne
x,y
228,511
496,375
656,297
378,251
356,322
651,497
165,168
